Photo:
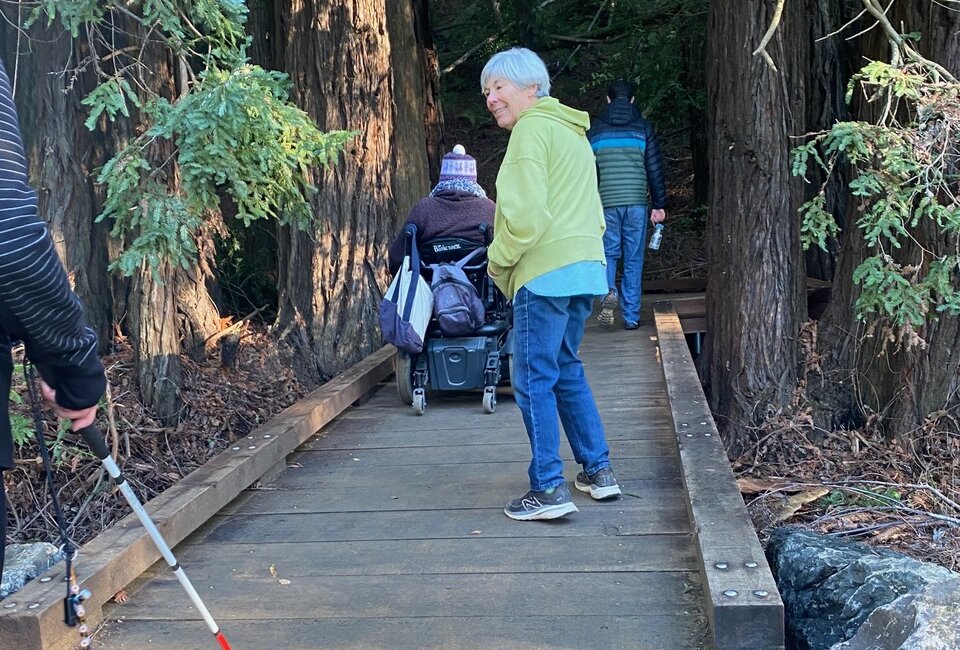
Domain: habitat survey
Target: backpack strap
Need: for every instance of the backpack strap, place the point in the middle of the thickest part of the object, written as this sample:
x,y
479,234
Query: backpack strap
x,y
469,256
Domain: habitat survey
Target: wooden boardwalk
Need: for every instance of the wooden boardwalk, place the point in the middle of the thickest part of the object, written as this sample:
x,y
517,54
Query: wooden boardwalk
x,y
386,531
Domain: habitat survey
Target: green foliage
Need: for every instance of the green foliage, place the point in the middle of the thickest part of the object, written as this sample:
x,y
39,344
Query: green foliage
x,y
71,13
24,432
905,181
20,425
188,26
232,133
865,497
661,53
657,45
109,97
235,133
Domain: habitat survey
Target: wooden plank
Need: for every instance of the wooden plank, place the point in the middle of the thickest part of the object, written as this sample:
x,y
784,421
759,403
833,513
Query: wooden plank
x,y
545,630
472,554
370,497
675,284
114,558
391,596
627,519
379,457
355,437
743,604
688,307
411,536
315,471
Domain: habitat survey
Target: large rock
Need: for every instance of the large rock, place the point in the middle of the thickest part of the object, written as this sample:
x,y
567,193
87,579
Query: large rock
x,y
929,620
830,586
24,562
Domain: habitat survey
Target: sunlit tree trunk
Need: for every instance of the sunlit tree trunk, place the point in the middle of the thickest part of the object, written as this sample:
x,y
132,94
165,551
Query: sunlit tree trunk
x,y
348,74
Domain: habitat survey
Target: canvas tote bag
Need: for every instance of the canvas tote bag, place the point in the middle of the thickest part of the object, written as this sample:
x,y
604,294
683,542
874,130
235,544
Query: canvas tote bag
x,y
406,308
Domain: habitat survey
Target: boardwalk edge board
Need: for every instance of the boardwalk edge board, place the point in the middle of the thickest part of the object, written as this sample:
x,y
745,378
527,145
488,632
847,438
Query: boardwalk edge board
x,y
742,601
32,618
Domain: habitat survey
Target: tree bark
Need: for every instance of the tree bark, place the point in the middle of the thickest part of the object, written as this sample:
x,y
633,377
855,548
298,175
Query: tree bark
x,y
755,272
62,155
861,377
346,76
430,64
156,350
411,180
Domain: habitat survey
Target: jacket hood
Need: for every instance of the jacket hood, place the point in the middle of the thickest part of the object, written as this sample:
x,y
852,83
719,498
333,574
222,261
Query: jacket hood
x,y
551,108
619,112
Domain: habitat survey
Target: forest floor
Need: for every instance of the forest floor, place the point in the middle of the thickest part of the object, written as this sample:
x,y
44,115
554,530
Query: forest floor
x,y
220,406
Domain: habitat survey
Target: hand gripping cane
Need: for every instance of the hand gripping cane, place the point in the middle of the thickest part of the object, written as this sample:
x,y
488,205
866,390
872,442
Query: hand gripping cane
x,y
99,447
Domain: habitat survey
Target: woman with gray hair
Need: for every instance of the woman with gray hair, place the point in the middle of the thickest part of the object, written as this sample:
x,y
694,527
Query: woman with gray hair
x,y
547,256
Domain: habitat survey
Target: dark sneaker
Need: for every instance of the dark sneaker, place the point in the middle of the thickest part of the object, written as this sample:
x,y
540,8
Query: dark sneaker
x,y
602,484
630,325
540,505
606,308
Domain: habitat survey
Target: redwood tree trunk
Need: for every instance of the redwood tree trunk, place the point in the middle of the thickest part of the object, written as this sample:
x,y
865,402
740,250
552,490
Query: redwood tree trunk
x,y
430,69
347,75
62,155
755,271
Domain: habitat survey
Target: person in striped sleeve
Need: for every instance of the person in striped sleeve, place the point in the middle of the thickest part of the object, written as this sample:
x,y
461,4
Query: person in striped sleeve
x,y
37,305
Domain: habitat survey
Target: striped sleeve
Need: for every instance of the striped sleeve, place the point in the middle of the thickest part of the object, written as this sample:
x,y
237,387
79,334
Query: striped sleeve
x,y
38,304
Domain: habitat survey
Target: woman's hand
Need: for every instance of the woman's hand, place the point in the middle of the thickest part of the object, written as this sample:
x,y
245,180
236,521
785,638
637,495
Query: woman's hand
x,y
79,418
493,270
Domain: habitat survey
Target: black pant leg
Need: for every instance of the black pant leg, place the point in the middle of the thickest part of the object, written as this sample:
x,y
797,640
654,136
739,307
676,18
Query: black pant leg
x,y
3,521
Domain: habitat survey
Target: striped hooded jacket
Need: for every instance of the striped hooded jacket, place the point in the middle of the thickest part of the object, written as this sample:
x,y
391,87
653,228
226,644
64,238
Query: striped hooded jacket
x,y
629,166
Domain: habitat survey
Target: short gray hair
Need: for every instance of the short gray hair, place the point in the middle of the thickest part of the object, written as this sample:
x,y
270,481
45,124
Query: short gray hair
x,y
519,65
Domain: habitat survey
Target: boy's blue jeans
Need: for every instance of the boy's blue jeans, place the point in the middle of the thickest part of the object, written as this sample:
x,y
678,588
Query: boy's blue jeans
x,y
550,381
625,237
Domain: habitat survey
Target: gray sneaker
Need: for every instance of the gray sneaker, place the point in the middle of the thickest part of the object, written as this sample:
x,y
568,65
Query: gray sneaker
x,y
540,505
602,484
609,303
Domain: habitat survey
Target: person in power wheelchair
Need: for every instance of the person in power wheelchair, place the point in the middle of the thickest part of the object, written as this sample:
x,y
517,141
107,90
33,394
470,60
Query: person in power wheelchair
x,y
455,220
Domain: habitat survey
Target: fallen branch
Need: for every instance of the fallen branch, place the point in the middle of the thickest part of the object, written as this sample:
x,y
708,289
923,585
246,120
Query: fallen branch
x,y
211,340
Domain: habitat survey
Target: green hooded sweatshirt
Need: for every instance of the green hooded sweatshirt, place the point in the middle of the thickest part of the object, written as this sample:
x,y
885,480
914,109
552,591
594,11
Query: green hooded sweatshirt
x,y
548,212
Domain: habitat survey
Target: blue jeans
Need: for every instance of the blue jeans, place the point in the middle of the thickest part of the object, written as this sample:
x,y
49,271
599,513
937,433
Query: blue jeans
x,y
550,381
625,237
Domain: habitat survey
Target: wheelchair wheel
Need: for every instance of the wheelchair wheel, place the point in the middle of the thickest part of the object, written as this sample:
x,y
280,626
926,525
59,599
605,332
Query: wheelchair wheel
x,y
403,369
510,369
419,401
489,399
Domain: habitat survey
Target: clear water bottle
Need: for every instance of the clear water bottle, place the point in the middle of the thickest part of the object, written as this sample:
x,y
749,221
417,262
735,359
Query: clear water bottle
x,y
656,237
